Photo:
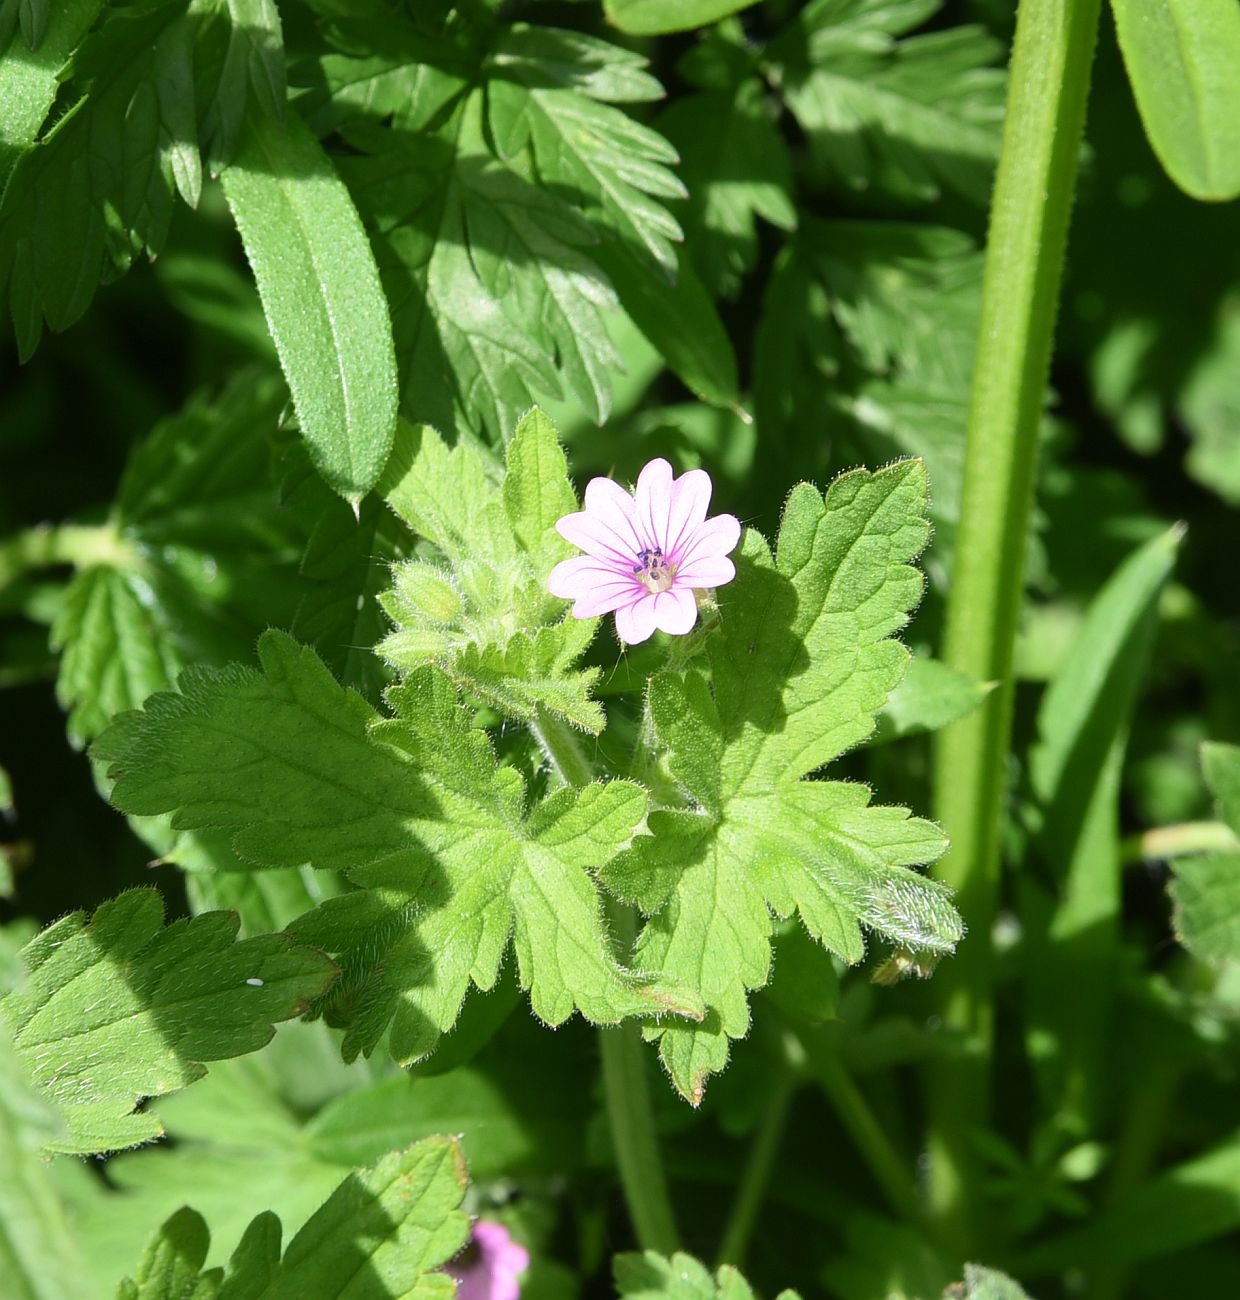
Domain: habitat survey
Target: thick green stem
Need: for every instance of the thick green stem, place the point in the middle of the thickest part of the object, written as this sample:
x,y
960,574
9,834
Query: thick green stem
x,y
757,1174
1049,80
626,1085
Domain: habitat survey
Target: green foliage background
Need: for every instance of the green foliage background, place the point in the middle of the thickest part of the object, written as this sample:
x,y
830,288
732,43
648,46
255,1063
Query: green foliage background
x,y
245,248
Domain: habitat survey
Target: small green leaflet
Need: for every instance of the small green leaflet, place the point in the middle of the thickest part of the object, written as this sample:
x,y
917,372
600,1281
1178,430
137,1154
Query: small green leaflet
x,y
320,289
382,1233
28,77
909,117
801,664
249,67
617,169
483,613
121,1007
1206,889
450,860
651,1276
722,134
931,695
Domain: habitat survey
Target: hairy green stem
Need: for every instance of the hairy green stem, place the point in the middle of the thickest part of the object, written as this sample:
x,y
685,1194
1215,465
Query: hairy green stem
x,y
626,1085
894,1176
46,545
1176,841
757,1173
1049,79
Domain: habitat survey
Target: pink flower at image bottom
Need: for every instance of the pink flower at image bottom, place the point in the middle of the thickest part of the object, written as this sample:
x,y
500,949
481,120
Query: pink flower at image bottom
x,y
490,1266
646,554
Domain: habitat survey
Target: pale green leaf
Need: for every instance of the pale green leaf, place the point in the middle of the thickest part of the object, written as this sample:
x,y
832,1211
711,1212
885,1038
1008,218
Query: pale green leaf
x,y
485,615
1181,57
121,1007
931,695
321,295
383,1233
414,810
171,1265
555,56
617,168
651,1276
654,17
800,666
909,117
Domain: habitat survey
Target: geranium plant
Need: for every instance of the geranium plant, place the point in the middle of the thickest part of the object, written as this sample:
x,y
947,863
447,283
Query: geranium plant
x,y
607,690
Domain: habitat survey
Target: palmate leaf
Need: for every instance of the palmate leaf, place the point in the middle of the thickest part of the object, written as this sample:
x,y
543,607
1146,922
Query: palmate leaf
x,y
382,1233
484,614
121,1007
241,52
414,810
198,561
909,117
802,663
651,1276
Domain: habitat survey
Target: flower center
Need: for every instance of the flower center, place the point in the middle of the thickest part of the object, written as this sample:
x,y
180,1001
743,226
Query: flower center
x,y
653,571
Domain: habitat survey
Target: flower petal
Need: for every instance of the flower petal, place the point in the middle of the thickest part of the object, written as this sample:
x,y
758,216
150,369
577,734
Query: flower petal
x,y
602,600
653,502
635,622
596,588
675,611
706,571
690,499
598,537
574,578
717,536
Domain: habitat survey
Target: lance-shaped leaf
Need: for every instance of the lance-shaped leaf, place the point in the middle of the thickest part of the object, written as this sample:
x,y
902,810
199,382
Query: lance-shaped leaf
x,y
382,1233
801,664
416,811
121,1007
484,613
320,289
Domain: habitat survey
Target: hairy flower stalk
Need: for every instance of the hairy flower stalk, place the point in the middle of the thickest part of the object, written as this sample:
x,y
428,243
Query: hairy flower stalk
x,y
647,554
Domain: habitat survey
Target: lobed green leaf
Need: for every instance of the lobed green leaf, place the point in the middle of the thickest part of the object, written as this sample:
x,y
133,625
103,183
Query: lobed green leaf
x,y
121,1008
801,664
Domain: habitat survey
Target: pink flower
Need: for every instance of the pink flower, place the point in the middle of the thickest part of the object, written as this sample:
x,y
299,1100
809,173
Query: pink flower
x,y
488,1267
646,554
